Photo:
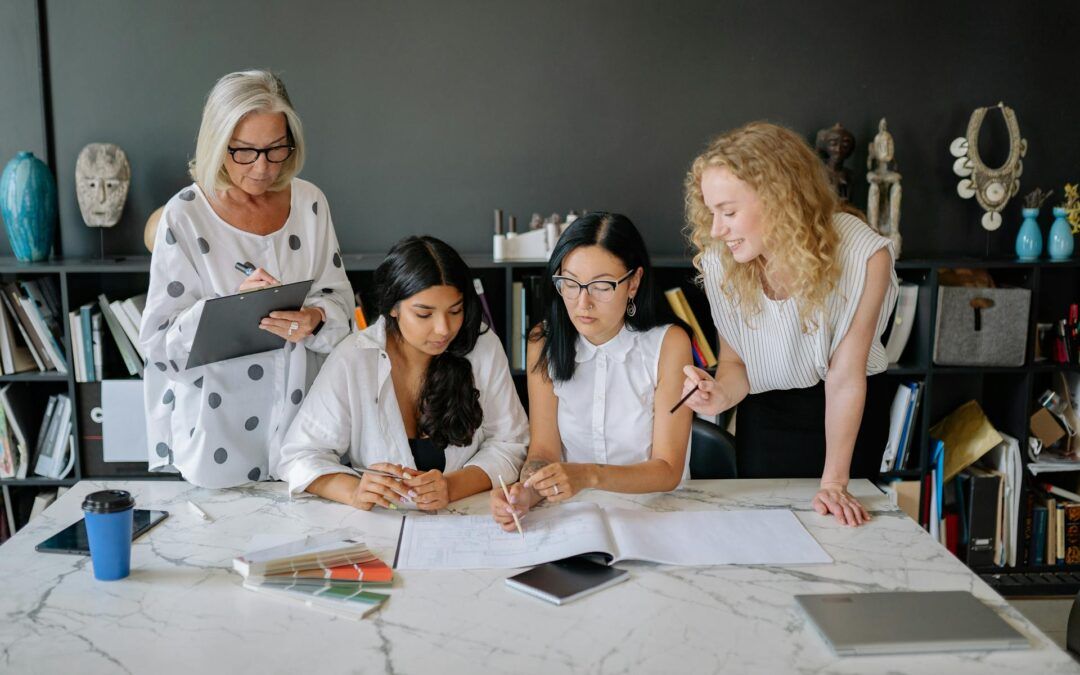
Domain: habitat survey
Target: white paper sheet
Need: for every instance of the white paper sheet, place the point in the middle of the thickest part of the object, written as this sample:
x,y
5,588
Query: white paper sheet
x,y
766,537
123,424
476,542
752,537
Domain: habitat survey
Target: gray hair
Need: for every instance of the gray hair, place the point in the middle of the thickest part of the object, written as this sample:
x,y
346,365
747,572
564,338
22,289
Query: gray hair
x,y
234,96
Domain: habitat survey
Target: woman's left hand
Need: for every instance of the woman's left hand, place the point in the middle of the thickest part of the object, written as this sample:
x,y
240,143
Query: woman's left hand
x,y
431,488
561,480
293,326
835,499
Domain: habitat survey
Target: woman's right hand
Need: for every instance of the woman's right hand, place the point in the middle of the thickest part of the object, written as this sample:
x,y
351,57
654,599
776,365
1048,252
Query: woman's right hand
x,y
260,278
375,490
708,399
521,500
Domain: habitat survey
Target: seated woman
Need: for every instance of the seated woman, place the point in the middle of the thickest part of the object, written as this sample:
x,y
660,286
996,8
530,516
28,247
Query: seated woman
x,y
424,393
603,375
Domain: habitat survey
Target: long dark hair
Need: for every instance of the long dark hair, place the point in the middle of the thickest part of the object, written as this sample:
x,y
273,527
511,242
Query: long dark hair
x,y
448,408
617,235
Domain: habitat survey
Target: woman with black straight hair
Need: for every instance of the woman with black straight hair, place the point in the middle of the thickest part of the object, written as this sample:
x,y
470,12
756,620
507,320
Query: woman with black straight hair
x,y
604,368
424,394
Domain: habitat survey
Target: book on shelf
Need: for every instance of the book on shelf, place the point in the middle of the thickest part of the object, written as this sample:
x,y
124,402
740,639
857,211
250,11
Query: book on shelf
x,y
18,413
526,310
128,352
14,313
54,457
903,319
677,299
358,313
902,416
14,355
42,501
478,286
41,333
131,329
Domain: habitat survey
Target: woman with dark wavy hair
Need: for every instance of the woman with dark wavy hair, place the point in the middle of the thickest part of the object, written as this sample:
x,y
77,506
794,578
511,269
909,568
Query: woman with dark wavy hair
x,y
423,394
605,368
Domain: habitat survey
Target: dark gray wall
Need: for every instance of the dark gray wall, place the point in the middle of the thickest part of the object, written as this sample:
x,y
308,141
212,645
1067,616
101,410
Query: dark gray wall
x,y
22,120
423,116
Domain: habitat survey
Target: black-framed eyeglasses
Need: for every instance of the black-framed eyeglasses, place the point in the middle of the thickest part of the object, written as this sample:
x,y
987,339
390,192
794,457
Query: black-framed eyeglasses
x,y
276,155
601,290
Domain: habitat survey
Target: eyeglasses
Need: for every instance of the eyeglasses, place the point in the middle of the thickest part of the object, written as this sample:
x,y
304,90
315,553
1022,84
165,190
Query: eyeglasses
x,y
600,290
275,155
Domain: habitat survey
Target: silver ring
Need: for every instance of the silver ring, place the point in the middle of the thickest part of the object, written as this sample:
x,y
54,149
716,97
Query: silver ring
x,y
293,327
556,488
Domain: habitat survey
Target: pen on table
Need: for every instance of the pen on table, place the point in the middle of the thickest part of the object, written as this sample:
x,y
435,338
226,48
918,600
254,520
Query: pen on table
x,y
199,512
682,400
247,269
506,493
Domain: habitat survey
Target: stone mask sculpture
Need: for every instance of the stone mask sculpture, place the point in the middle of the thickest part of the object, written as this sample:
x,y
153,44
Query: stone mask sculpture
x,y
102,178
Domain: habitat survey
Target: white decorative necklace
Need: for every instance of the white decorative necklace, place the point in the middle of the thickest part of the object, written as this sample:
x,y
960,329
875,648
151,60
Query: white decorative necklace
x,y
992,188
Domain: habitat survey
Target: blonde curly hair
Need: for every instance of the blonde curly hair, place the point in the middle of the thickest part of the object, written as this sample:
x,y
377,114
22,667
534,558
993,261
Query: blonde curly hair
x,y
798,205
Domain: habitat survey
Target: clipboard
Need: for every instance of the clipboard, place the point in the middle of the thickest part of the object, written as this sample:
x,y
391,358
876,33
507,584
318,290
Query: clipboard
x,y
229,326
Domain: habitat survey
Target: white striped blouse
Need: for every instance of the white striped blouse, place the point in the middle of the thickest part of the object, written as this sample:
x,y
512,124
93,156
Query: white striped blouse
x,y
777,354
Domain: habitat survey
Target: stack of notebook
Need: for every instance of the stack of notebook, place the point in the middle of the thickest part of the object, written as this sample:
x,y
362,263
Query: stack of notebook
x,y
326,572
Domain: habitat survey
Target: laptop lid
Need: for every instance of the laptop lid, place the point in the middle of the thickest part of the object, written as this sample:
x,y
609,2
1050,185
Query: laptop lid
x,y
908,622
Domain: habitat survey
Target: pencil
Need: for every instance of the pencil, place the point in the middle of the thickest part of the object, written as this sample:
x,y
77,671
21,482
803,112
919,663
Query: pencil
x,y
507,494
682,400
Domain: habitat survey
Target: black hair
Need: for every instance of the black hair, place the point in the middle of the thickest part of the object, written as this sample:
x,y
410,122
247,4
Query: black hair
x,y
616,234
448,407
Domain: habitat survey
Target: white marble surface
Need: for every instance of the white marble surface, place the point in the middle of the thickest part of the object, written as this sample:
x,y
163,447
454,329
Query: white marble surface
x,y
183,610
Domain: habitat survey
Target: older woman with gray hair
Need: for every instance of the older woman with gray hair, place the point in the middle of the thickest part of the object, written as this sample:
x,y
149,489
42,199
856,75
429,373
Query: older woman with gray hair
x,y
219,424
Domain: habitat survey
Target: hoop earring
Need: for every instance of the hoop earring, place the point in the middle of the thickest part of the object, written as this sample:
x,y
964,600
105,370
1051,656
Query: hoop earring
x,y
631,308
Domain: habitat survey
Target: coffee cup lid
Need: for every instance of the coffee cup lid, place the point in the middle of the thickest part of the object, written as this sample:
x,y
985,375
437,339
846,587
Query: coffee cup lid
x,y
108,501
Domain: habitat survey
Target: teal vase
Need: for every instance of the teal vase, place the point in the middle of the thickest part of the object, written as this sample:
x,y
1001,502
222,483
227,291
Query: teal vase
x,y
1059,244
1029,239
28,206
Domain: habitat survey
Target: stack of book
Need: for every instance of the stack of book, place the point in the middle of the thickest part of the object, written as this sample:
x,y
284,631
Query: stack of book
x,y
122,319
526,310
51,453
328,572
30,334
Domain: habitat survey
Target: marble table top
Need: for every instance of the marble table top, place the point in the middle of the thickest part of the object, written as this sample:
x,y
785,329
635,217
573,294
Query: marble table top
x,y
183,609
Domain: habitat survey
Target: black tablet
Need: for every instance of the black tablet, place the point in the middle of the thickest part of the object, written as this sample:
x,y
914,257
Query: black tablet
x,y
72,539
564,580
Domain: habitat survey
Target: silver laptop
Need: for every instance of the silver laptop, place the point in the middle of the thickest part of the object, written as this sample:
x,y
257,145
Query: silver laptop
x,y
908,622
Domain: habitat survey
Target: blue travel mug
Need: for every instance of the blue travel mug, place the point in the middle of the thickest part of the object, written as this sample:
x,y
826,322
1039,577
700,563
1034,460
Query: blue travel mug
x,y
108,516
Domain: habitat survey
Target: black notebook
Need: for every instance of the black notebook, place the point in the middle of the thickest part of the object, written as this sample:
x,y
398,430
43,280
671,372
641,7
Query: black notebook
x,y
229,326
564,580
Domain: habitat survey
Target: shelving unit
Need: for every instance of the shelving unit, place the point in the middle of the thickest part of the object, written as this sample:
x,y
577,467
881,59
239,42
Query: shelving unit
x,y
1007,394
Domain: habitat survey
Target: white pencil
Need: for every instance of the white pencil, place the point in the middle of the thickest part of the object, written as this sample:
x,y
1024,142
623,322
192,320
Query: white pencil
x,y
516,521
199,512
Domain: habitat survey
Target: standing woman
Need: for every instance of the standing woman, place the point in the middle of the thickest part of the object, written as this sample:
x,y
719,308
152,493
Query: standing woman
x,y
218,424
800,292
424,393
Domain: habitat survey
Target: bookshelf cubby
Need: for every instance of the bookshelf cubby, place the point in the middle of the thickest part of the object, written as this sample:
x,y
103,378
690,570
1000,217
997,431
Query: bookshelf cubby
x,y
1007,394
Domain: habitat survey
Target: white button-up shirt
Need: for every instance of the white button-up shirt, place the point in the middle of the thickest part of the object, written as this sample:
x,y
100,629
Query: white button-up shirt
x,y
606,409
352,410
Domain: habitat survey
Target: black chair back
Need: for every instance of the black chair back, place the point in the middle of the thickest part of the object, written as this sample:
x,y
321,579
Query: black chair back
x,y
712,451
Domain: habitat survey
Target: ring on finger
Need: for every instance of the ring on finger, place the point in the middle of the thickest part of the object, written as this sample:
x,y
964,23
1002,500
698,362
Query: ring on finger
x,y
556,486
293,327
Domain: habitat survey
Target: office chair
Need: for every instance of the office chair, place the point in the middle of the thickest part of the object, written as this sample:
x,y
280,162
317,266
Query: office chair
x,y
1072,629
712,451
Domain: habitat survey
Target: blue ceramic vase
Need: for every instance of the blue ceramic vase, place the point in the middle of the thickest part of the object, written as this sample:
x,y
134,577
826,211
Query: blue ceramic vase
x,y
1029,239
1059,244
28,206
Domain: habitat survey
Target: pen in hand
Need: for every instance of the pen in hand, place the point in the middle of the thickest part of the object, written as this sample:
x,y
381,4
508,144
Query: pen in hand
x,y
247,269
506,493
682,400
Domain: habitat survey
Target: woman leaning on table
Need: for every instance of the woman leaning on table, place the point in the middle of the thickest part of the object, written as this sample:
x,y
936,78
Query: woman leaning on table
x,y
800,291
218,423
424,394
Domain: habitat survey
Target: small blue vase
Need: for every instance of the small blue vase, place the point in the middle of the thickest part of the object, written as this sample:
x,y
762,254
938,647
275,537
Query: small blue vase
x,y
28,206
1029,238
1059,243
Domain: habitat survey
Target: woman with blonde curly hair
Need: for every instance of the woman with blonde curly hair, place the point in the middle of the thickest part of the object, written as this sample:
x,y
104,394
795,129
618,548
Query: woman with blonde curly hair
x,y
800,291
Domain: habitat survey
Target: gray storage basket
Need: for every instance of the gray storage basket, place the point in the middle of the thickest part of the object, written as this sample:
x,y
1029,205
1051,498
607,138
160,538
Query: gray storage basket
x,y
1002,336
